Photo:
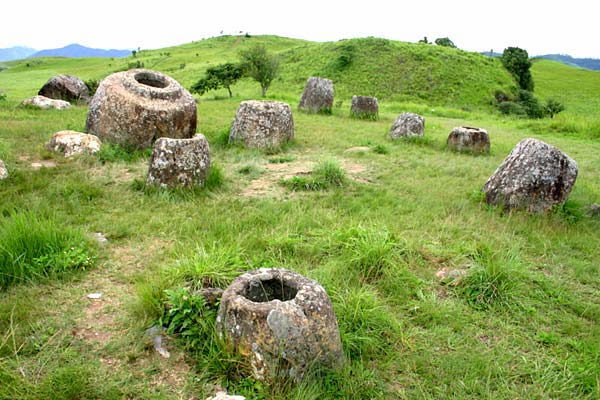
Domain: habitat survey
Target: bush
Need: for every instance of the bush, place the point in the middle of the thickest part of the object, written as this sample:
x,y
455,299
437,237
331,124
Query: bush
x,y
517,62
2,95
553,107
511,108
34,248
531,104
92,85
446,42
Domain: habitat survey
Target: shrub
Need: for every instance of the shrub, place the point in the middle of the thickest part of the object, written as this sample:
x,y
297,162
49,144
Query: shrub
x,y
34,248
2,95
446,42
511,108
553,107
92,85
517,62
224,75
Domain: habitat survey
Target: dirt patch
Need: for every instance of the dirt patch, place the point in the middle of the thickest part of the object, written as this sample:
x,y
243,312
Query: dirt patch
x,y
97,322
355,149
267,185
43,164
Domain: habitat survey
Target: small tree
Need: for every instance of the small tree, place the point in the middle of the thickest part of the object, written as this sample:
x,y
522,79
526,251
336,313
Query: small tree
x,y
221,76
446,42
260,66
553,107
424,40
517,62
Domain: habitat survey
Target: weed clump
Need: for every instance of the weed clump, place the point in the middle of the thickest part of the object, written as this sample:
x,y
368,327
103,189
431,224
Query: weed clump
x,y
34,249
327,174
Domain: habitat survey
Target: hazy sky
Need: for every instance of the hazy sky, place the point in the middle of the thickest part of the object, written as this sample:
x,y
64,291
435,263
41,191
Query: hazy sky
x,y
540,27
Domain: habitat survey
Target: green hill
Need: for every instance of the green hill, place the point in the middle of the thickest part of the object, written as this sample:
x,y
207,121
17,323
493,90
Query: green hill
x,y
387,69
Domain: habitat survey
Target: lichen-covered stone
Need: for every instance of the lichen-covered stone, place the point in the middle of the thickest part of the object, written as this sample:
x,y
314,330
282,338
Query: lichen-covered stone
x,y
469,140
317,96
182,163
71,143
3,170
46,103
66,87
262,124
281,322
365,107
534,177
136,107
407,125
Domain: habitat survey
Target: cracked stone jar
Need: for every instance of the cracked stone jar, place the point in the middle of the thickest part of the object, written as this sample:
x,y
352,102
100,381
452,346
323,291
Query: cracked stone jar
x,y
136,107
281,322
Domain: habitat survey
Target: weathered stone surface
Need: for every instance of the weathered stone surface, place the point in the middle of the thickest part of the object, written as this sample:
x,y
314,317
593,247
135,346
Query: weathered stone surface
x,y
66,87
407,125
365,107
211,296
317,95
534,177
71,143
262,124
179,162
136,107
469,140
46,103
281,321
3,170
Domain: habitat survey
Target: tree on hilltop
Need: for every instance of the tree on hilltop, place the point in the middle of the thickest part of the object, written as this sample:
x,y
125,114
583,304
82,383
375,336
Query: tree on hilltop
x,y
446,42
261,66
221,76
517,62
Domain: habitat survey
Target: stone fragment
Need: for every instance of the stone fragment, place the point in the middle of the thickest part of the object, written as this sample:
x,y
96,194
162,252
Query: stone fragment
x,y
3,170
46,103
281,322
469,140
407,125
180,163
66,87
365,107
594,210
72,143
534,177
211,296
136,107
222,395
262,124
317,96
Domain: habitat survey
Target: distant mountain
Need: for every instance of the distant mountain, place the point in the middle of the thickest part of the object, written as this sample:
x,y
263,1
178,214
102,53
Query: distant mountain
x,y
16,53
78,51
588,63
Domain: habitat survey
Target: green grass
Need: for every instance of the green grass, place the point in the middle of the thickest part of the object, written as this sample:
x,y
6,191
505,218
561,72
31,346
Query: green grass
x,y
522,322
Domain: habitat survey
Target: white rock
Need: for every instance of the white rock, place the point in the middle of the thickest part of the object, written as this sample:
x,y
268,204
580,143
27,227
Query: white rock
x,y
72,143
46,103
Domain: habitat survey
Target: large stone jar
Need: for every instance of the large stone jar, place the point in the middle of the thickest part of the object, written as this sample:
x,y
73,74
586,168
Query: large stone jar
x,y
534,177
281,322
469,140
66,87
317,96
179,163
136,107
262,124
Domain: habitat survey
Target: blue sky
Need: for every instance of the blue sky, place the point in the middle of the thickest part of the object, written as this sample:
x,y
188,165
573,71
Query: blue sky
x,y
538,26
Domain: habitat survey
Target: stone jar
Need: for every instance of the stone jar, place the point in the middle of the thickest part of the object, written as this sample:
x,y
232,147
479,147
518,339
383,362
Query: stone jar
x,y
317,96
66,87
407,125
262,124
365,107
136,107
179,163
281,322
469,140
534,177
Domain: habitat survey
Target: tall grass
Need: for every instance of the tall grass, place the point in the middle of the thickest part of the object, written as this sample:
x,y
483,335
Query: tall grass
x,y
33,248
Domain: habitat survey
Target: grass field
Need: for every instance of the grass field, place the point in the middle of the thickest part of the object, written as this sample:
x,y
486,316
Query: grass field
x,y
523,323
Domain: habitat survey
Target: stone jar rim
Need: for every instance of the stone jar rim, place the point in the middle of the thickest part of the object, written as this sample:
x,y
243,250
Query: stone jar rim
x,y
151,84
294,282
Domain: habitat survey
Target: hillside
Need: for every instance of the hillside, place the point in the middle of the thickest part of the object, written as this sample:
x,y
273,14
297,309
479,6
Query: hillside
x,y
387,69
15,53
79,51
587,63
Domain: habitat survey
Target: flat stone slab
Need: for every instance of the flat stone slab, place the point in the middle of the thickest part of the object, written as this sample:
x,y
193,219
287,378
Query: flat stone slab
x,y
46,103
